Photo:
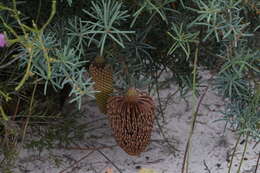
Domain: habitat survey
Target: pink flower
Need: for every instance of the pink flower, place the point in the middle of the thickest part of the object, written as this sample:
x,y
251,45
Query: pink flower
x,y
3,42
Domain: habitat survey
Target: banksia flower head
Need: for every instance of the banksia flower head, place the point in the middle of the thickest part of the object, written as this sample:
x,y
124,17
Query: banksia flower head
x,y
102,75
3,42
131,118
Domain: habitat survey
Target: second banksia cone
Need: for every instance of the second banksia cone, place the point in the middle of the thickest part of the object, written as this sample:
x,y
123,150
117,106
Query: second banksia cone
x,y
131,118
102,75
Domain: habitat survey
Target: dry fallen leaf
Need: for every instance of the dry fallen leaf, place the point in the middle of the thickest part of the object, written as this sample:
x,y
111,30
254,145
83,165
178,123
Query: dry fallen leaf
x,y
109,170
145,170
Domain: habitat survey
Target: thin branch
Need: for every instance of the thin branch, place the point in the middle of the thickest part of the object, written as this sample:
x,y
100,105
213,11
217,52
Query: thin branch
x,y
53,11
25,126
192,128
257,163
9,63
206,166
165,138
185,159
161,113
243,155
159,100
82,158
233,154
87,148
119,170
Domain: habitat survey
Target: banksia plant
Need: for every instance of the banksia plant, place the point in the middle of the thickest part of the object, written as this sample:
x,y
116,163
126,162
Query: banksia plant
x,y
151,43
131,118
102,75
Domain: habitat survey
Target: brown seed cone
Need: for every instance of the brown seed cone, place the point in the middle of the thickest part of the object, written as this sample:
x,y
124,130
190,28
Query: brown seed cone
x,y
131,118
102,75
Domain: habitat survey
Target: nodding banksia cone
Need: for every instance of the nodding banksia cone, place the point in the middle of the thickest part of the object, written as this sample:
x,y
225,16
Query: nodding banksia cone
x,y
102,75
131,117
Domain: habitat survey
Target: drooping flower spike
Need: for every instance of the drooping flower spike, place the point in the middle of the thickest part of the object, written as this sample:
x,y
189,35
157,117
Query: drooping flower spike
x,y
102,74
131,117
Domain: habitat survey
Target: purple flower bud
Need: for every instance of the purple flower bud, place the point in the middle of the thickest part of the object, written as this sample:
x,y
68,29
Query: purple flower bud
x,y
3,42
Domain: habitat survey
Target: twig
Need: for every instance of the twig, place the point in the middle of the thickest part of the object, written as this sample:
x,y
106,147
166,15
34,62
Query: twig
x,y
256,144
243,155
86,148
195,113
169,96
159,100
192,128
206,166
161,112
155,161
93,168
9,63
233,154
82,158
26,123
119,170
94,121
16,108
257,162
164,137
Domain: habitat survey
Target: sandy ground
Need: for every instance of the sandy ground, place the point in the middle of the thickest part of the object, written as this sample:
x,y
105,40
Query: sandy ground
x,y
211,146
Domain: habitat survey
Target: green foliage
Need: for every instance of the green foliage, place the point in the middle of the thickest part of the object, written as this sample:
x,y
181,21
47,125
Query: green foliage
x,y
222,19
244,115
68,1
153,8
181,39
244,61
107,16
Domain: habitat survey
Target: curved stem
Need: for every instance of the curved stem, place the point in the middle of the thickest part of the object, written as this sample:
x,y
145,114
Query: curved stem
x,y
53,11
28,69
